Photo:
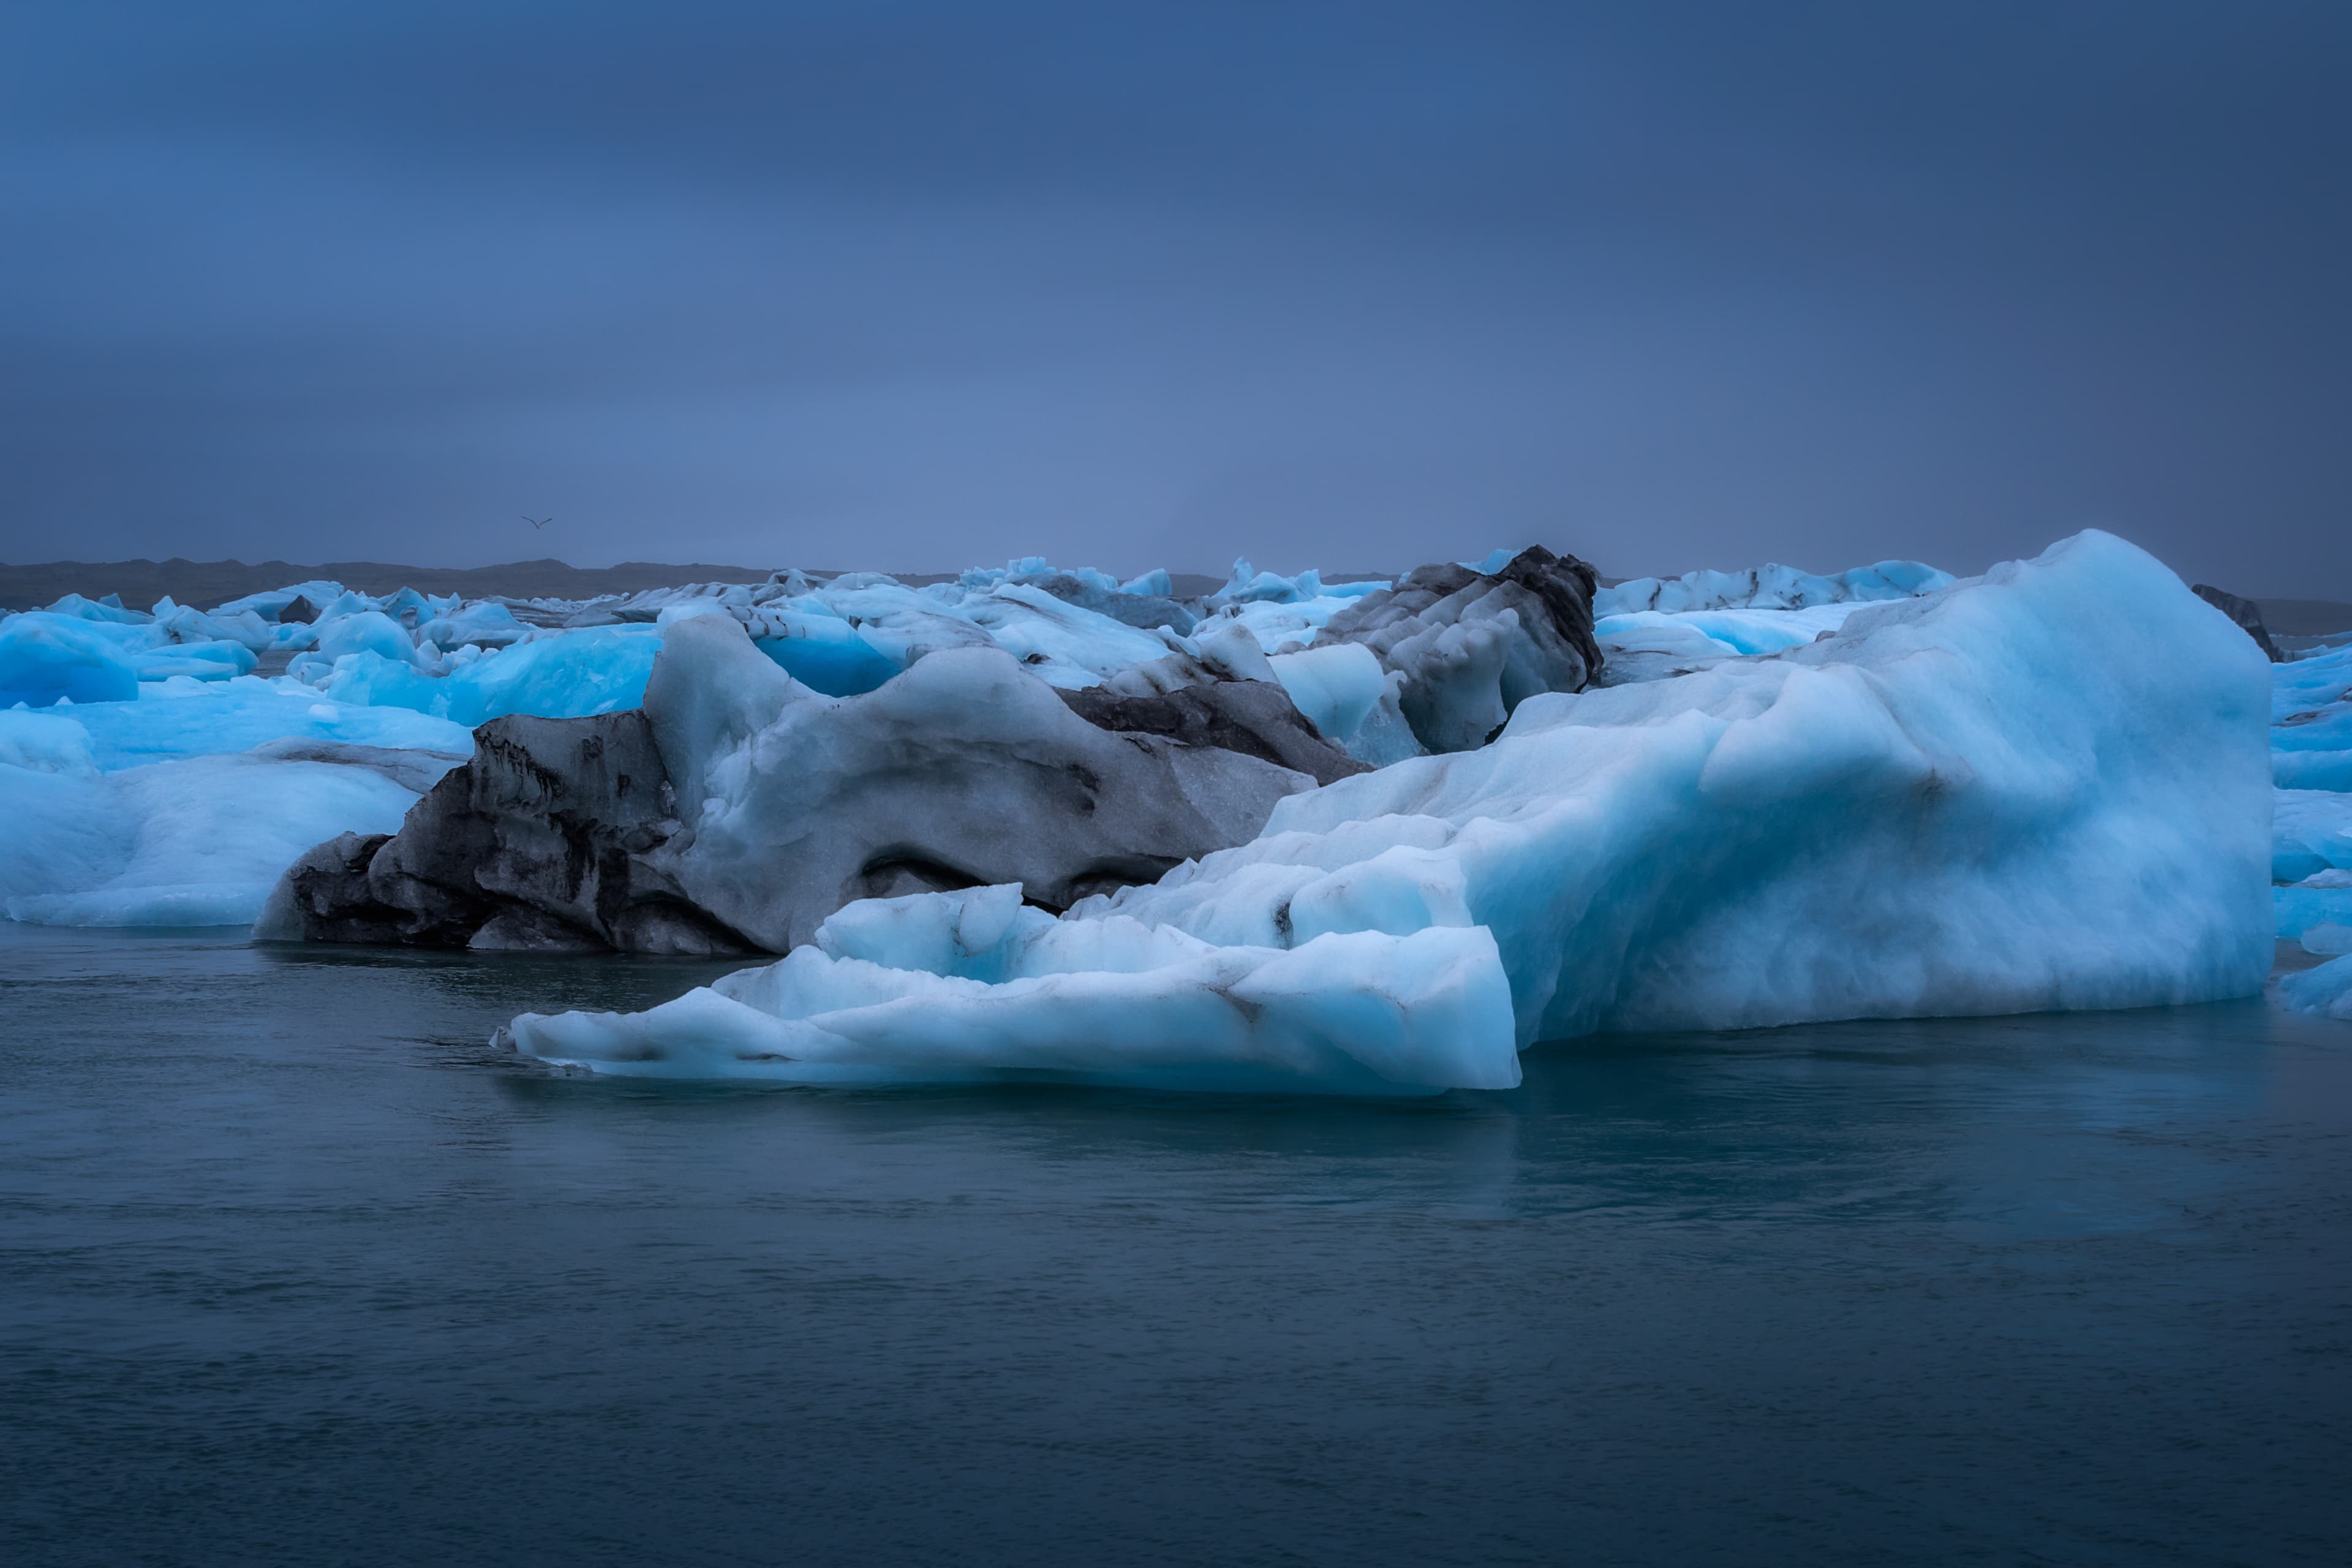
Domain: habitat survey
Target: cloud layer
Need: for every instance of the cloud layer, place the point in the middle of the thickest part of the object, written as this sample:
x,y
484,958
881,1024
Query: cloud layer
x,y
915,285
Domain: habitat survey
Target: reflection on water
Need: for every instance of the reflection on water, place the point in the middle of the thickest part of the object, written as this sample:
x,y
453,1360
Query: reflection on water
x,y
297,1270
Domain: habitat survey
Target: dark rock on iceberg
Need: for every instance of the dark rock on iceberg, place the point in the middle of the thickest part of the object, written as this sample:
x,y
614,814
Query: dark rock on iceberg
x,y
965,770
2246,611
545,840
1472,646
1255,717
325,897
738,808
300,611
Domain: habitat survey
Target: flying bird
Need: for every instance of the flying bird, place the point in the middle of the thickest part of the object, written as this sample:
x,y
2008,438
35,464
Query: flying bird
x,y
537,522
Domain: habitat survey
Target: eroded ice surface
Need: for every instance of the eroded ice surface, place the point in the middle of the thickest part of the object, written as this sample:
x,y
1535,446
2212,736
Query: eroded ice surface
x,y
2046,788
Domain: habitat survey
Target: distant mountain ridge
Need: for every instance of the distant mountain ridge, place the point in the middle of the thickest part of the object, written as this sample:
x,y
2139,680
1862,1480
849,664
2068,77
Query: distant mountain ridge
x,y
204,583
2305,617
207,583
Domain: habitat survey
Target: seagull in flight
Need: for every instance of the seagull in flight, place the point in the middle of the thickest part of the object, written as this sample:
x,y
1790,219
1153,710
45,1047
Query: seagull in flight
x,y
537,522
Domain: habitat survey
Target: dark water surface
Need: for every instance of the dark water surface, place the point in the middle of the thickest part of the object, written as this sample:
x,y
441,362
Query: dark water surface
x,y
294,1269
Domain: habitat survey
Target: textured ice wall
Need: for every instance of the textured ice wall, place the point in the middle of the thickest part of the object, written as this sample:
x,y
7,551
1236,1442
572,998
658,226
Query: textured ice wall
x,y
2046,788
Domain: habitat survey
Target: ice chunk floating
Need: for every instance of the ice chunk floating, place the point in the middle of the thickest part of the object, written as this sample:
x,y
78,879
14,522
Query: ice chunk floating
x,y
2045,788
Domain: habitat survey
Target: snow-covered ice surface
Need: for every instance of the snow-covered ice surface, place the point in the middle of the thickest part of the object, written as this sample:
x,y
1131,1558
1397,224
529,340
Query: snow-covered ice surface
x,y
2046,788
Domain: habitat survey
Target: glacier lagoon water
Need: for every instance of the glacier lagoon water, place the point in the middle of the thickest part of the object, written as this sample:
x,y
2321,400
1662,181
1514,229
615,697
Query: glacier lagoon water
x,y
294,1269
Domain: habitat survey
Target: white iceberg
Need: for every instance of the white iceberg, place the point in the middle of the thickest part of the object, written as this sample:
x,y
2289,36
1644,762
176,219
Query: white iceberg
x,y
2045,788
197,842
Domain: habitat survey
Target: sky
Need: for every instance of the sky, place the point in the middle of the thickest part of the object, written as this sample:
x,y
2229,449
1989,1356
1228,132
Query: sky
x,y
915,286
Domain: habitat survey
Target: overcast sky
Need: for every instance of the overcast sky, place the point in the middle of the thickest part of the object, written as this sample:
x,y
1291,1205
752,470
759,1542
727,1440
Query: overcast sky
x,y
1359,284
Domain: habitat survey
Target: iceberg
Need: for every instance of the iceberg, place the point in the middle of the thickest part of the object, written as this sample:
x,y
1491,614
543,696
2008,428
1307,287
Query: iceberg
x,y
108,610
1771,588
2326,991
47,658
2311,832
1469,647
194,842
484,624
2047,788
1728,633
1652,627
45,743
819,650
569,675
1146,602
370,632
2321,899
1062,643
175,718
183,802
272,605
2311,758
2311,739
1105,1001
1351,699
739,809
1248,585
